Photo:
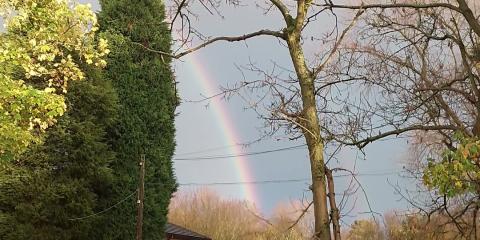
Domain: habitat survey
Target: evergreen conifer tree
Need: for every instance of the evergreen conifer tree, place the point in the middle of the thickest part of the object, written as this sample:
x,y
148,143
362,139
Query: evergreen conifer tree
x,y
66,177
146,91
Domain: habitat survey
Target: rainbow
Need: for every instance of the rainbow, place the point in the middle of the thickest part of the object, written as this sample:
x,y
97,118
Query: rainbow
x,y
225,123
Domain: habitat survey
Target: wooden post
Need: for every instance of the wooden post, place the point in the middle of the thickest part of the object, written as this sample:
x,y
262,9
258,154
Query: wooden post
x,y
140,198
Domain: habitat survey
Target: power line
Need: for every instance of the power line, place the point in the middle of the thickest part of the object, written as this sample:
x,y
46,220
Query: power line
x,y
233,183
247,182
104,210
239,155
209,149
379,174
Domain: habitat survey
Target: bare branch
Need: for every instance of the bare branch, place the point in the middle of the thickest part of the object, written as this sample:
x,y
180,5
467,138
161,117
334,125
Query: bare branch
x,y
364,142
304,211
463,9
283,9
319,68
468,14
179,9
354,176
244,37
393,5
258,216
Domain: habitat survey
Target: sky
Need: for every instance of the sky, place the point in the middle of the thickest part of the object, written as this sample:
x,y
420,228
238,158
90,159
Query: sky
x,y
208,128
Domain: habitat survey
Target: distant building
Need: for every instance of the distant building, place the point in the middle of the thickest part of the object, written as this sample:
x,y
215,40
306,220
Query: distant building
x,y
175,232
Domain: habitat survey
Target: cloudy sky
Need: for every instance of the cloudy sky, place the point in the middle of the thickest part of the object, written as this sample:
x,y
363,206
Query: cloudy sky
x,y
200,132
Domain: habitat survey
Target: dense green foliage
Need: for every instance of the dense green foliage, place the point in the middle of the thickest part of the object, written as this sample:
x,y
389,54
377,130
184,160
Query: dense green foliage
x,y
43,44
89,159
458,171
145,86
66,177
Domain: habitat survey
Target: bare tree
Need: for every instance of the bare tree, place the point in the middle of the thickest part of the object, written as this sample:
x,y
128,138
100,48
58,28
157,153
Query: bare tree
x,y
412,69
420,62
204,211
292,102
365,229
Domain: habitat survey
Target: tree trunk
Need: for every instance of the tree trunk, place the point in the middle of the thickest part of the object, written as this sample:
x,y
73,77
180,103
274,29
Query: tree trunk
x,y
311,130
334,212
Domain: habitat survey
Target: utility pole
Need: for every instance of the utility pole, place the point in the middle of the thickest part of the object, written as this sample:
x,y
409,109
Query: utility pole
x,y
140,198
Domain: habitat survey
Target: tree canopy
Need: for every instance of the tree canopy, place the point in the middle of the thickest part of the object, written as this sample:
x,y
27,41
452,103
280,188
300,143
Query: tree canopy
x,y
49,189
145,86
40,51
